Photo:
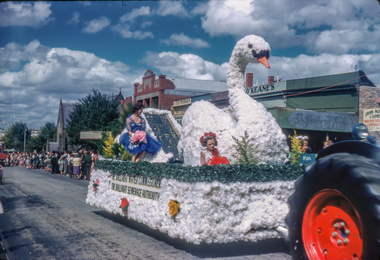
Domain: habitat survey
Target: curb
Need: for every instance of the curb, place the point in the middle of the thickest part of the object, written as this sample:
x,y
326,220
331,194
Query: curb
x,y
4,243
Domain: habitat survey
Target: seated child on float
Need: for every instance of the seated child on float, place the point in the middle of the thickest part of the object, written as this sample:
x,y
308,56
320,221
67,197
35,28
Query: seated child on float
x,y
211,154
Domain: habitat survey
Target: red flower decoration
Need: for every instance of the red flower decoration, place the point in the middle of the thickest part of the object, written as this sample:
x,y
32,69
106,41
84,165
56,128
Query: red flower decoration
x,y
124,205
207,134
215,152
95,185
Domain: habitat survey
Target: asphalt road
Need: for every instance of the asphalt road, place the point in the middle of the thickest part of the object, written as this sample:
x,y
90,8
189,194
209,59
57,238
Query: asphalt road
x,y
46,217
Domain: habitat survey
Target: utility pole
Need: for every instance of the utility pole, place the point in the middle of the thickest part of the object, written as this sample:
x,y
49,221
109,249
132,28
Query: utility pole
x,y
24,136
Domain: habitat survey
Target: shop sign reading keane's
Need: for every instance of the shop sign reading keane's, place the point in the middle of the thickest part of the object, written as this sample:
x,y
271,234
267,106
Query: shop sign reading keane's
x,y
140,186
371,119
260,89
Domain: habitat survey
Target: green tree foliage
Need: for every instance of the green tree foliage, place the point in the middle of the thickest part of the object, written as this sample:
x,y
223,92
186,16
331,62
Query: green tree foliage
x,y
107,145
95,112
117,150
246,150
295,149
126,156
111,149
14,137
46,133
125,112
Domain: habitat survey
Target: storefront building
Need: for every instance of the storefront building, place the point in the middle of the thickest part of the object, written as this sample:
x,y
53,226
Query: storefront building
x,y
323,108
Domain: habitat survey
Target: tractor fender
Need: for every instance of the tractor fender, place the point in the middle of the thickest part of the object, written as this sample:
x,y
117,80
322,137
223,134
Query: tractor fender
x,y
361,148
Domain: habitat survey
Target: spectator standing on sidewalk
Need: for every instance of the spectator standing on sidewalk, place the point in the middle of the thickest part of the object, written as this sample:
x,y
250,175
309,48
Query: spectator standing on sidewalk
x,y
64,162
94,159
82,165
54,163
87,165
76,166
70,158
1,174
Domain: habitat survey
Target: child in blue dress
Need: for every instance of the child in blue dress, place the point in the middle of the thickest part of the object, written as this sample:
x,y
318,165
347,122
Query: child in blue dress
x,y
136,123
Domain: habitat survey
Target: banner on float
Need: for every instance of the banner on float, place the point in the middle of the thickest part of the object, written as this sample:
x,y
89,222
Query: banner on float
x,y
307,158
140,186
371,118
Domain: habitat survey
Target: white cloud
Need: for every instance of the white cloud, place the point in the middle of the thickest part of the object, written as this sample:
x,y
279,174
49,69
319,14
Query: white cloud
x,y
142,35
96,25
85,3
74,18
53,73
174,8
146,24
184,40
126,22
192,66
333,26
131,16
185,65
200,9
25,14
125,32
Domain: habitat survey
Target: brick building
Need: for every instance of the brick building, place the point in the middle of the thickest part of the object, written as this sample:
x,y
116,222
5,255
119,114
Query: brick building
x,y
161,92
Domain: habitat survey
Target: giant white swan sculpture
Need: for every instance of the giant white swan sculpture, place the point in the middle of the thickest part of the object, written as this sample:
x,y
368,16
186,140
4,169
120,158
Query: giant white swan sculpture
x,y
243,114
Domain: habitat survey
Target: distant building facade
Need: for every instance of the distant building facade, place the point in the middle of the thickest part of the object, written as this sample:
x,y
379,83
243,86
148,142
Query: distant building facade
x,y
161,92
35,133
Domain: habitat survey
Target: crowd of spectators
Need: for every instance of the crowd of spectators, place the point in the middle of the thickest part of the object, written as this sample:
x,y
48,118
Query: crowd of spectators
x,y
77,165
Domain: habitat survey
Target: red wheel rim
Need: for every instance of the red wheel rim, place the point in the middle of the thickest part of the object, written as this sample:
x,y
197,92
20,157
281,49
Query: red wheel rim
x,y
331,227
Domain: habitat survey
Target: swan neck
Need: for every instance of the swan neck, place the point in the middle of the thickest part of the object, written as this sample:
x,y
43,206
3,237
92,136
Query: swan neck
x,y
235,73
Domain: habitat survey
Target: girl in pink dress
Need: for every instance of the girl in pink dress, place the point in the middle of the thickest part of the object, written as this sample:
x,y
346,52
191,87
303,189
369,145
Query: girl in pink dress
x,y
22,162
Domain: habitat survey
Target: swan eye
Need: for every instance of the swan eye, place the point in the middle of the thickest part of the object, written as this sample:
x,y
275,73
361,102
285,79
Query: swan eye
x,y
250,46
260,54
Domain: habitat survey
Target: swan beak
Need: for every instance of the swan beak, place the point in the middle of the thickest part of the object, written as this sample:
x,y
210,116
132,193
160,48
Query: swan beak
x,y
264,61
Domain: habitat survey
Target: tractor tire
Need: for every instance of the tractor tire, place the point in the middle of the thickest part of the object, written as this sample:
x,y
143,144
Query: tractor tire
x,y
335,210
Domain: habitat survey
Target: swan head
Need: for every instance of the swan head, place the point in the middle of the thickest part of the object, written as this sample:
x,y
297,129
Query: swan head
x,y
252,48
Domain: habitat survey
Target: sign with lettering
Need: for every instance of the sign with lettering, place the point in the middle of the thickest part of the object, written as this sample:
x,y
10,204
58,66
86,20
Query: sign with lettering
x,y
166,133
260,89
140,186
181,102
371,118
178,113
307,158
93,135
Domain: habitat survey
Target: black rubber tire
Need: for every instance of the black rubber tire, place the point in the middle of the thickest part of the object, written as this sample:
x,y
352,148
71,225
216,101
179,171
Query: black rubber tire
x,y
358,178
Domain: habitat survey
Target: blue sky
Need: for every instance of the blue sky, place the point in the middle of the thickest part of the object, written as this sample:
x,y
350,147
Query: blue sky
x,y
53,50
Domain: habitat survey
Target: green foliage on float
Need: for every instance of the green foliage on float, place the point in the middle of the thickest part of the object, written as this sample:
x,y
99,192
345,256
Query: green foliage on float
x,y
205,173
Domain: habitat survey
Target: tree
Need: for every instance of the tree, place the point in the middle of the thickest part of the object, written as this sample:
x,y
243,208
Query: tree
x,y
126,110
95,112
14,137
46,133
245,150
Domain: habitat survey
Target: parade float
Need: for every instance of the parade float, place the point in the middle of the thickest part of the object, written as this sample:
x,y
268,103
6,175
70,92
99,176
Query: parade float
x,y
245,202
